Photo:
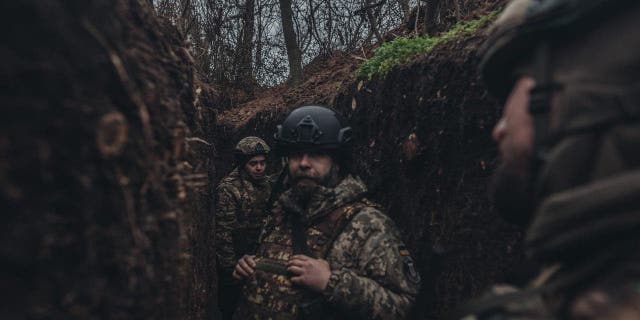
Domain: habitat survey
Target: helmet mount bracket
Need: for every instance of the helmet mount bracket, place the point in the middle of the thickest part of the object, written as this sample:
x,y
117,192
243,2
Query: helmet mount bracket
x,y
307,131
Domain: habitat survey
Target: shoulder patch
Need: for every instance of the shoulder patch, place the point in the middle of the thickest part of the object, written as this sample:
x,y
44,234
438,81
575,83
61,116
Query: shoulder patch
x,y
409,266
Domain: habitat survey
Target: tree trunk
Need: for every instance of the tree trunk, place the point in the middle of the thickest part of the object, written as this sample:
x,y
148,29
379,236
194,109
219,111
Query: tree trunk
x,y
373,19
244,53
259,35
293,51
432,15
406,11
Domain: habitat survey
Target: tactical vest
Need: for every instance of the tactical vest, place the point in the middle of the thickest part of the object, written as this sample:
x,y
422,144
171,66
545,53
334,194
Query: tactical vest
x,y
250,220
271,294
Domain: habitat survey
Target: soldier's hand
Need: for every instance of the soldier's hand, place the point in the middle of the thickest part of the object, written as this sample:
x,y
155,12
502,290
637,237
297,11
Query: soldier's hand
x,y
309,272
244,267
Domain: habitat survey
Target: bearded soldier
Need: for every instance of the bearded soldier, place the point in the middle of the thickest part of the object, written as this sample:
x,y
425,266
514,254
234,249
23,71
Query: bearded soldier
x,y
327,252
568,72
240,214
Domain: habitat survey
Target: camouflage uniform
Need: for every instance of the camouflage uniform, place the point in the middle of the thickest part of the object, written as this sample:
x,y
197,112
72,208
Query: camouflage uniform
x,y
372,274
240,215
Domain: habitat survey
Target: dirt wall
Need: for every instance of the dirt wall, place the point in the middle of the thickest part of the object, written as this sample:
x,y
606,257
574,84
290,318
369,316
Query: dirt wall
x,y
423,146
104,170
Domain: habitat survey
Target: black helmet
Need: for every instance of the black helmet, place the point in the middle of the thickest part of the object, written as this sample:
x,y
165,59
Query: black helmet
x,y
311,127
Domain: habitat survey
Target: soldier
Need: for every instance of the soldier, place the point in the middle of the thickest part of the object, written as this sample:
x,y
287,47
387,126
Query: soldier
x,y
569,74
327,252
240,215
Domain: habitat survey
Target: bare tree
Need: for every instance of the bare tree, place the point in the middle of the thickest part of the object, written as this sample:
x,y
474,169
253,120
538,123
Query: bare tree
x,y
406,10
244,52
293,51
237,43
432,15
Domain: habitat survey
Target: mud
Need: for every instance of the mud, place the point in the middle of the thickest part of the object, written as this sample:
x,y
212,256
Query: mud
x,y
104,170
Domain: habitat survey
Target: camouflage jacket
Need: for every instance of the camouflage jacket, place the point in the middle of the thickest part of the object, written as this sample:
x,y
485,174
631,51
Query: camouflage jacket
x,y
372,273
240,216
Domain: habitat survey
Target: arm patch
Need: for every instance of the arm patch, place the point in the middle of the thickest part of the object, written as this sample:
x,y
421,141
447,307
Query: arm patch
x,y
409,266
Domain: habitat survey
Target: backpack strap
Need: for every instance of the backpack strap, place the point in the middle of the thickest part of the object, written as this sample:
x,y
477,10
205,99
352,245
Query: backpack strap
x,y
336,221
299,236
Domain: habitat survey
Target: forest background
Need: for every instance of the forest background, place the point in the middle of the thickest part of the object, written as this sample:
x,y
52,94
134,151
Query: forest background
x,y
253,44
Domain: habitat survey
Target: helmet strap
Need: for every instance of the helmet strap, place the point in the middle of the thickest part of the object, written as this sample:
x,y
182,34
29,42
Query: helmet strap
x,y
540,108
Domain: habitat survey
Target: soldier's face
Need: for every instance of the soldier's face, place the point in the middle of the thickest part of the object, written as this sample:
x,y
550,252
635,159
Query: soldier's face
x,y
511,186
256,167
514,130
307,165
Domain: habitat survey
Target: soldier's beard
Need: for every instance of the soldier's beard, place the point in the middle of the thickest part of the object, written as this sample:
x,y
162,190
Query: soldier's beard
x,y
304,186
512,195
302,192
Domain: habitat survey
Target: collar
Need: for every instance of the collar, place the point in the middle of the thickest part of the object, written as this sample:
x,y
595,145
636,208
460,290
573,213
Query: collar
x,y
573,223
324,200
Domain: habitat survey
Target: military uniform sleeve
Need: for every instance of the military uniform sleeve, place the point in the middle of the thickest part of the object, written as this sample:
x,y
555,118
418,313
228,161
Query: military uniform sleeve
x,y
226,208
383,281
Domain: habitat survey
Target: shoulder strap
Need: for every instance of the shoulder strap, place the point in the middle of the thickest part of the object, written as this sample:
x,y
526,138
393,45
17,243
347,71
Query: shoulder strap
x,y
337,220
298,236
240,214
332,226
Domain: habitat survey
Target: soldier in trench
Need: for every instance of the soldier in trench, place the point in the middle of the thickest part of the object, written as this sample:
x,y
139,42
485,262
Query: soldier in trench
x,y
569,75
240,214
326,251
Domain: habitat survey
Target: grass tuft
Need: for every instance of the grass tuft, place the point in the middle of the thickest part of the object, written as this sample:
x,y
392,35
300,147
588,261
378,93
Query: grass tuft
x,y
401,49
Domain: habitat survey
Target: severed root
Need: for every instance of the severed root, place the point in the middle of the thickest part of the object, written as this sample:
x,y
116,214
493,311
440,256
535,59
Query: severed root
x,y
112,134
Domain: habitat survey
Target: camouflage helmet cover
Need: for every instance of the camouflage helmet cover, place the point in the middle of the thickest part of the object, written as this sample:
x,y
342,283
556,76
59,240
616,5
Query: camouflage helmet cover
x,y
251,146
524,24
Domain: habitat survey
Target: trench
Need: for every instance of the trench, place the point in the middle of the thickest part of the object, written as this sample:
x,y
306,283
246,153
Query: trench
x,y
112,148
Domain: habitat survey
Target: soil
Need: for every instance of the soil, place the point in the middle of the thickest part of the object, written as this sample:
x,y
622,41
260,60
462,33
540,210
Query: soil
x,y
324,78
423,146
104,170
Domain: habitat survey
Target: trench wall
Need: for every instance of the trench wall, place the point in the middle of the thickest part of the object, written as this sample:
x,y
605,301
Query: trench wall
x,y
105,174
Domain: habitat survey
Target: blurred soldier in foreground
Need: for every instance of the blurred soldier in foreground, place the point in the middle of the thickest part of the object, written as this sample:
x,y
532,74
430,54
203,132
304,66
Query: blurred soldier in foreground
x,y
327,252
569,74
240,215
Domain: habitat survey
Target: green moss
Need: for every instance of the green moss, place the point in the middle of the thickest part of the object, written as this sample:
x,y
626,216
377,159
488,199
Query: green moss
x,y
401,49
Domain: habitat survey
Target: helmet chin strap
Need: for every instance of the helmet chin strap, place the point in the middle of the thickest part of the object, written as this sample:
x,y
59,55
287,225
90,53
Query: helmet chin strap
x,y
540,108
